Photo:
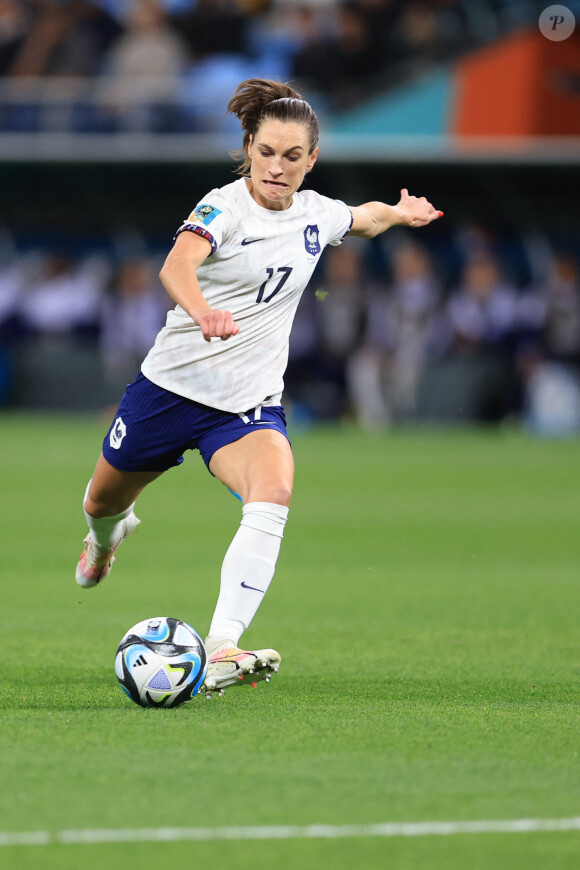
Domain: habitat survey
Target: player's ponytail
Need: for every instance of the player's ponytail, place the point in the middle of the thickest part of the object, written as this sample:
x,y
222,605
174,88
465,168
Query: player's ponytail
x,y
254,100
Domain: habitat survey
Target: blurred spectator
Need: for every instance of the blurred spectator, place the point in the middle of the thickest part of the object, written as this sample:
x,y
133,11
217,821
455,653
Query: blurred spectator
x,y
341,310
275,39
416,33
336,59
400,339
549,361
132,314
482,310
143,68
214,27
63,38
64,298
149,48
120,9
382,16
304,395
549,311
428,31
477,378
11,286
14,25
551,405
562,300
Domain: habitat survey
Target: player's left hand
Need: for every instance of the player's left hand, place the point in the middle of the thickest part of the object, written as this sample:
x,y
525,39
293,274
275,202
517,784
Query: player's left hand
x,y
416,211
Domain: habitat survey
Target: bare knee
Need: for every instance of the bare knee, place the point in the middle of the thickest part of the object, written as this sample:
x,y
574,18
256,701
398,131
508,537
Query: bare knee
x,y
101,501
112,491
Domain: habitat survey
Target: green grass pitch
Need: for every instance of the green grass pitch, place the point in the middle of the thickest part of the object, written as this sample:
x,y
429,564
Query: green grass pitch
x,y
427,609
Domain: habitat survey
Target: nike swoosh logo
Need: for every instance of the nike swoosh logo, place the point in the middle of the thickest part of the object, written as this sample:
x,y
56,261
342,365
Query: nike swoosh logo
x,y
245,585
251,241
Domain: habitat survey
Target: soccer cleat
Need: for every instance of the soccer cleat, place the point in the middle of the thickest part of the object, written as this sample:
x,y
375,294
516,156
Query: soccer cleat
x,y
231,667
95,563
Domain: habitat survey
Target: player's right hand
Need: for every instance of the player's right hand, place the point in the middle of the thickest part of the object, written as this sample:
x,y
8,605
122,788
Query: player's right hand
x,y
217,324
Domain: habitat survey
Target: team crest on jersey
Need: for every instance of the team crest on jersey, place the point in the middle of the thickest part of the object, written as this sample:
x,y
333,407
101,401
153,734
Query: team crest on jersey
x,y
118,432
311,242
204,214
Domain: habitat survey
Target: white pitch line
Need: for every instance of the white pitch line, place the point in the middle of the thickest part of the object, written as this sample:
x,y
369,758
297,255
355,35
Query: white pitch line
x,y
33,838
288,832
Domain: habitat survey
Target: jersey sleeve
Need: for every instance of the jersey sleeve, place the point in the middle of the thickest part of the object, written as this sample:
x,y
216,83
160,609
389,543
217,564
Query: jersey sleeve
x,y
341,218
209,219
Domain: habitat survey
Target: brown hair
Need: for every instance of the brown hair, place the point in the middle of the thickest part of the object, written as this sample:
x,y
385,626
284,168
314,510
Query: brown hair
x,y
255,100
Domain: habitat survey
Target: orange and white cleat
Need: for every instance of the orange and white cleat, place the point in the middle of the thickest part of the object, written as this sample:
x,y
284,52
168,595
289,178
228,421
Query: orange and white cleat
x,y
95,563
238,667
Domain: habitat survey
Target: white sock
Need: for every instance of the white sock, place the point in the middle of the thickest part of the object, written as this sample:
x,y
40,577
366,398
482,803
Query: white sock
x,y
107,531
247,569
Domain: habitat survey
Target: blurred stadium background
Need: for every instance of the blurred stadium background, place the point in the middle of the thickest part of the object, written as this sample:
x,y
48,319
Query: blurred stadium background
x,y
113,125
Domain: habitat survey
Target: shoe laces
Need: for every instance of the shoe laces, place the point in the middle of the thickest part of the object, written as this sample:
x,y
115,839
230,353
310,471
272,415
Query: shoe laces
x,y
96,554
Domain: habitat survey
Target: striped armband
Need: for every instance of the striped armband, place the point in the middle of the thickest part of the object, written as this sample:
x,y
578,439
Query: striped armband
x,y
195,228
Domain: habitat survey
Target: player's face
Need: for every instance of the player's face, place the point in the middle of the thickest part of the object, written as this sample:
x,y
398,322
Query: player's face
x,y
280,159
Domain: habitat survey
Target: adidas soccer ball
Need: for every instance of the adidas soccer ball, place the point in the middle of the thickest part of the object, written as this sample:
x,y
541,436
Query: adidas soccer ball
x,y
161,662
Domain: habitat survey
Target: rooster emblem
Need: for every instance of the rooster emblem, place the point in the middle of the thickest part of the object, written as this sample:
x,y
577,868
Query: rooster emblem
x,y
311,242
118,432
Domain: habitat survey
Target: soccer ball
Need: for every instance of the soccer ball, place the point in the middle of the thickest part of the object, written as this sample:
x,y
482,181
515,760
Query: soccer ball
x,y
161,662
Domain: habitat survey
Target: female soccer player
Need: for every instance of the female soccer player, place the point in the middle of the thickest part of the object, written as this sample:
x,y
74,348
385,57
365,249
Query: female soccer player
x,y
213,380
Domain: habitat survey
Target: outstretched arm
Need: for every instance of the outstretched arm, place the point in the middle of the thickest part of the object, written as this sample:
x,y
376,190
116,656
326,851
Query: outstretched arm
x,y
374,218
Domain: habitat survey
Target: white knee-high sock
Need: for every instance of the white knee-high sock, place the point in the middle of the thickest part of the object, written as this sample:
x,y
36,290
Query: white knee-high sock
x,y
107,531
248,569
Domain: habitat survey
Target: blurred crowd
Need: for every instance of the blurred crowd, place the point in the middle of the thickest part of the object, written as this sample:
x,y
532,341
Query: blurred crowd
x,y
171,65
389,331
113,307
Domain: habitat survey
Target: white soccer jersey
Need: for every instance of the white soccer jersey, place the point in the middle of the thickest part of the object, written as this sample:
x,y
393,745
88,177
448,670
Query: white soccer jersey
x,y
261,261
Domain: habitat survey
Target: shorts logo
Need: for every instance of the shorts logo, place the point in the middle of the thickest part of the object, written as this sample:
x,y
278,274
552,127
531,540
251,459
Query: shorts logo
x,y
204,214
311,242
118,432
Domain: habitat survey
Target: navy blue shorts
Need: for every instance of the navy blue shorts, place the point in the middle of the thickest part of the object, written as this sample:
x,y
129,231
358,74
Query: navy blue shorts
x,y
153,428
